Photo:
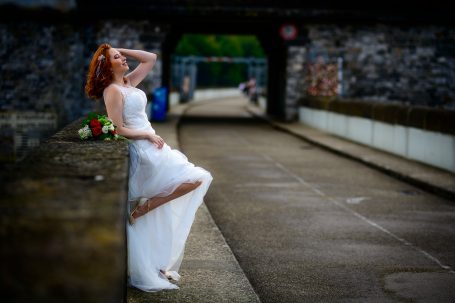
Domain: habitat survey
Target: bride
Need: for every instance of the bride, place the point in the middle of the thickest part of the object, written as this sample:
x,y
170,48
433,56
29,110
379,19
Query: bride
x,y
164,189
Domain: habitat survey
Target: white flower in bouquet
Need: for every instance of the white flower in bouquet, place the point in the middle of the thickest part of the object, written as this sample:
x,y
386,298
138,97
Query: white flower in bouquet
x,y
85,132
106,129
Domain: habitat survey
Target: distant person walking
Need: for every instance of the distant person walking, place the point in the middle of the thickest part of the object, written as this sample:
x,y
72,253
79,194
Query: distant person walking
x,y
252,90
164,189
185,89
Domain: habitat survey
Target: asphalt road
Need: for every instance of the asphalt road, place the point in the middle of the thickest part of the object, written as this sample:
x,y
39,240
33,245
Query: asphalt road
x,y
310,226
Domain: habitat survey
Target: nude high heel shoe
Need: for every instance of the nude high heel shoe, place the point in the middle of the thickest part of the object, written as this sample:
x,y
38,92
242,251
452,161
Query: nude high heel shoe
x,y
170,275
134,205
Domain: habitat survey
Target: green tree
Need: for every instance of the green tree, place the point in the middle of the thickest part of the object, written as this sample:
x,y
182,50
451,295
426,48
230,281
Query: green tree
x,y
220,74
219,45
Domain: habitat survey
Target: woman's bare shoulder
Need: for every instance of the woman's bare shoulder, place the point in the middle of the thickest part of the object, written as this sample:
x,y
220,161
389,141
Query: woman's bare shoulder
x,y
112,91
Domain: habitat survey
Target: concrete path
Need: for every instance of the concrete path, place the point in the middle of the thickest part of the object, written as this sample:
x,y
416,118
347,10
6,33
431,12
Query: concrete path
x,y
307,225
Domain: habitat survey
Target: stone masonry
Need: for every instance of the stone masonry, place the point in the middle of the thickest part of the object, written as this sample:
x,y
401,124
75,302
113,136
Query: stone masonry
x,y
62,222
44,65
413,65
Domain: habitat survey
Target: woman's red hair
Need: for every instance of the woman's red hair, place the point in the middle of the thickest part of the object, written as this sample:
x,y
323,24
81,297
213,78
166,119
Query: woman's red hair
x,y
99,75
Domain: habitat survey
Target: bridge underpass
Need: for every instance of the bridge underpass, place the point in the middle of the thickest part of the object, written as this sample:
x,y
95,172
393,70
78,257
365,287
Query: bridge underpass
x,y
274,47
89,23
281,27
307,225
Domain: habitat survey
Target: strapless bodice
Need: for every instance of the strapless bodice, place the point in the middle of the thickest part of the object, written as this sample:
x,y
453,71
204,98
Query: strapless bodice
x,y
135,101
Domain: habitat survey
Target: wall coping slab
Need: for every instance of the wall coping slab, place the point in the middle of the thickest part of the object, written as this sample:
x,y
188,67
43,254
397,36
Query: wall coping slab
x,y
426,118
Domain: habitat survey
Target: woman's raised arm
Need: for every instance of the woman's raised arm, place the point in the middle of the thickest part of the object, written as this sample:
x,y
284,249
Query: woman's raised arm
x,y
147,61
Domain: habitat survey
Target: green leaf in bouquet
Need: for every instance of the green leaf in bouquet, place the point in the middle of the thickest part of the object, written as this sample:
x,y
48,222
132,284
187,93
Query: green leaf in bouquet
x,y
92,115
104,121
104,136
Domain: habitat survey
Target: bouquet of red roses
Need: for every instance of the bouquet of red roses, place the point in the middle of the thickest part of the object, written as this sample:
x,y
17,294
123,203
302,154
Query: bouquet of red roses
x,y
98,127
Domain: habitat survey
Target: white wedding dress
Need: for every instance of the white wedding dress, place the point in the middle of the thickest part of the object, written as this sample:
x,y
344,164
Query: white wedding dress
x,y
156,241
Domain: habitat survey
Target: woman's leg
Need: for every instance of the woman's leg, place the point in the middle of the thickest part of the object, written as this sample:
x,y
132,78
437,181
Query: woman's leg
x,y
154,202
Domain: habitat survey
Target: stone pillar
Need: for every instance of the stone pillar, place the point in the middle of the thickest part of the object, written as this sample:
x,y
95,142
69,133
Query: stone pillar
x,y
294,80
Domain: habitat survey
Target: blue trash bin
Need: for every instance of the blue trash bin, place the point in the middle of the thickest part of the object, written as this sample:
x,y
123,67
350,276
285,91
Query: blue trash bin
x,y
159,102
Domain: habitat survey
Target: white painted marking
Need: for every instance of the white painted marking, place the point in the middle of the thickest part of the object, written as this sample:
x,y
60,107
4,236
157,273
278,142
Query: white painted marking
x,y
361,217
260,184
356,200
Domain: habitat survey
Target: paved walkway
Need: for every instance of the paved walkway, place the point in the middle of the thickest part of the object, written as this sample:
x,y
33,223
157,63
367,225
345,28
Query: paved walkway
x,y
423,176
307,225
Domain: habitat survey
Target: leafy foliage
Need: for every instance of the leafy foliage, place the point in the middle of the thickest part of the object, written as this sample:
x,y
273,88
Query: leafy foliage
x,y
219,73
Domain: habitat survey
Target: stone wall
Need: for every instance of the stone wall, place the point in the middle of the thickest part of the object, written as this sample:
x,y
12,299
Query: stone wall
x,y
44,65
411,64
62,222
42,69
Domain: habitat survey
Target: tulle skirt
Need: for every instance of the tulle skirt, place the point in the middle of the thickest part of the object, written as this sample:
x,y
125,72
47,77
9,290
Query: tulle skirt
x,y
156,241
